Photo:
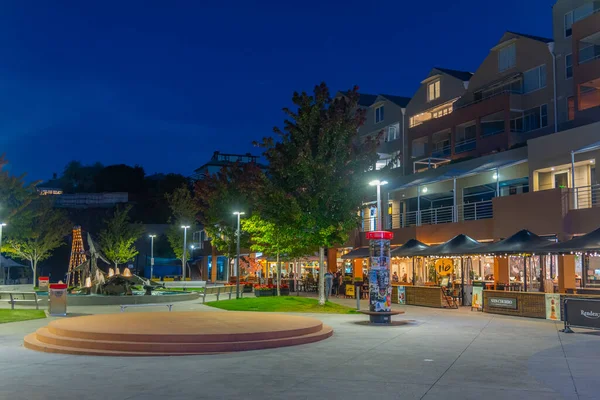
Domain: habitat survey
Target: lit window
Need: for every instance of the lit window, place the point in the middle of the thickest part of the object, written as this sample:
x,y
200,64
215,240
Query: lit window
x,y
433,90
507,57
378,114
569,66
534,79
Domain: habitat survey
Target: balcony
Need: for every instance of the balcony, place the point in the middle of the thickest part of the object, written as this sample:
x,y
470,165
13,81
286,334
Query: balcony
x,y
465,145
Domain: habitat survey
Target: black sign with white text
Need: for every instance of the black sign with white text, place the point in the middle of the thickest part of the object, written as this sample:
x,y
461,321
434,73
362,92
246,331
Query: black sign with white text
x,y
503,302
583,312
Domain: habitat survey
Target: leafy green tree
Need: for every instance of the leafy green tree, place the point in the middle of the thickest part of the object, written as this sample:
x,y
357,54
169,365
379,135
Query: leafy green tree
x,y
320,161
119,236
15,194
36,232
184,211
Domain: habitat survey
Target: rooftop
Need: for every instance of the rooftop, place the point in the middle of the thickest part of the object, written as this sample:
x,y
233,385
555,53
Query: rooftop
x,y
462,75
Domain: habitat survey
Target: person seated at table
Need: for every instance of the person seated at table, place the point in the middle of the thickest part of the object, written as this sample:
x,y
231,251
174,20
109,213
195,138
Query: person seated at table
x,y
395,278
518,277
405,278
489,277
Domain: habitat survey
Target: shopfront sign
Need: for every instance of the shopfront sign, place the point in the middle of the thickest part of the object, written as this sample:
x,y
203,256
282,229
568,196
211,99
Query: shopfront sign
x,y
583,313
503,302
553,306
349,290
444,267
477,299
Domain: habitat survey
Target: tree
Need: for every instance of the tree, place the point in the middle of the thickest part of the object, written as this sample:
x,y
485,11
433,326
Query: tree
x,y
36,232
320,161
184,211
119,236
218,196
15,194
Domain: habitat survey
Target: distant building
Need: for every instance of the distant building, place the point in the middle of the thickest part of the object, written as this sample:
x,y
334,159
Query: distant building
x,y
220,160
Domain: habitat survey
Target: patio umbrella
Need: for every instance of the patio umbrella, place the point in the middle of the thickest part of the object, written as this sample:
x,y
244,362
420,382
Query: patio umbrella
x,y
522,242
588,244
361,252
412,248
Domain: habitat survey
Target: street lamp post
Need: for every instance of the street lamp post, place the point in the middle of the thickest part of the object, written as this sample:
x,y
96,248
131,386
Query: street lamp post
x,y
237,260
379,184
3,276
185,228
152,256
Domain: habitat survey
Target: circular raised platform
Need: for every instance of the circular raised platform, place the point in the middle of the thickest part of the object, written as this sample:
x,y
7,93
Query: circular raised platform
x,y
174,333
380,317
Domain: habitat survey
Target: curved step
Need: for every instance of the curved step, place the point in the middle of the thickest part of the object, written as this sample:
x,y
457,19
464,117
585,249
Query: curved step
x,y
45,341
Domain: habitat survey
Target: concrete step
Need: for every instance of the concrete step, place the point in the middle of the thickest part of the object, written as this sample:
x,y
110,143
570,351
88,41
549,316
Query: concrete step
x,y
46,341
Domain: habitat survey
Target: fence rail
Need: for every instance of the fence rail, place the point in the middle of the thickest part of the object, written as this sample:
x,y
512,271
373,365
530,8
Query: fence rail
x,y
434,216
584,197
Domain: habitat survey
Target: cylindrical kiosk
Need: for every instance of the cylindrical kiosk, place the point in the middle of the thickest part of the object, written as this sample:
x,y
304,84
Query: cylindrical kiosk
x,y
57,299
380,288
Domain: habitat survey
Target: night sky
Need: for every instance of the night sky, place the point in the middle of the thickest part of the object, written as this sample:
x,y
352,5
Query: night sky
x,y
163,84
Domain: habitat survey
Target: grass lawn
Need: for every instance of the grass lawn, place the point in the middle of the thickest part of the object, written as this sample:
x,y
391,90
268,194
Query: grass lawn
x,y
20,315
281,304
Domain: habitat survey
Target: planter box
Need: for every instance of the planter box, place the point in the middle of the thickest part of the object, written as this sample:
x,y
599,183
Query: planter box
x,y
283,292
247,289
263,293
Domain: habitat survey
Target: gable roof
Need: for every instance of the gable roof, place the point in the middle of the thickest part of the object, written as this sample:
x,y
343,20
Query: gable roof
x,y
538,38
366,100
399,100
462,75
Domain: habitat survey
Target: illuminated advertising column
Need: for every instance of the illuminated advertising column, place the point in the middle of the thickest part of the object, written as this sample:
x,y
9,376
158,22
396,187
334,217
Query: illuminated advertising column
x,y
380,288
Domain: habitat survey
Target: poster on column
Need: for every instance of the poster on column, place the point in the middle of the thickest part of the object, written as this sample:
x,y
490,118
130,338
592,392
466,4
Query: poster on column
x,y
553,306
477,299
401,294
380,290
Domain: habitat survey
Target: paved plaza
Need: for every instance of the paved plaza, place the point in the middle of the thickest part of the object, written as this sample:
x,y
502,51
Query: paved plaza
x,y
440,354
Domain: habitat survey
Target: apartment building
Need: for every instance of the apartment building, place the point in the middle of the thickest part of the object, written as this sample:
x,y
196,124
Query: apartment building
x,y
508,100
577,48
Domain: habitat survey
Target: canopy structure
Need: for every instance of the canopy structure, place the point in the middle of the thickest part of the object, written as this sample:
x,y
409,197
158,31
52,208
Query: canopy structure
x,y
8,263
589,243
411,248
460,245
522,242
361,252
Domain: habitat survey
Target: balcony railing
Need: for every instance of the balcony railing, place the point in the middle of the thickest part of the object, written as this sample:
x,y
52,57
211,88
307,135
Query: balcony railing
x,y
465,145
434,216
443,152
584,197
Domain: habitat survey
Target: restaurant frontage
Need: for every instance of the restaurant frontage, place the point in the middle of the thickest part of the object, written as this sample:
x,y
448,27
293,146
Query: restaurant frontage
x,y
521,275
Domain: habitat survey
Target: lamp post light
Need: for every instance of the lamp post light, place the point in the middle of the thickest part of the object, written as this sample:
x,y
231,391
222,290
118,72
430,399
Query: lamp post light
x,y
3,277
379,184
185,228
151,255
237,259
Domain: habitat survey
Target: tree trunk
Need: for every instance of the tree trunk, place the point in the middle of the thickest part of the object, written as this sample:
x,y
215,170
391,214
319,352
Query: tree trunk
x,y
322,275
34,268
278,275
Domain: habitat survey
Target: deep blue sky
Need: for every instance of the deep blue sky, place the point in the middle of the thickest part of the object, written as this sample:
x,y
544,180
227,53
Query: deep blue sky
x,y
163,84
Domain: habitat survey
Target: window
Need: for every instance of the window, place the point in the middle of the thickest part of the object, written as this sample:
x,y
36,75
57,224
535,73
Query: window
x,y
568,24
589,48
571,108
396,160
433,90
535,118
534,79
442,112
378,114
507,57
418,147
392,132
569,66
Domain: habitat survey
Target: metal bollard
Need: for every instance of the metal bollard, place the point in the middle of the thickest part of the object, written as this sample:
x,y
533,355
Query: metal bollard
x,y
358,298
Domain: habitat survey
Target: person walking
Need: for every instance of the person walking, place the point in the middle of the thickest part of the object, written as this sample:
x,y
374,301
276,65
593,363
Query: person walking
x,y
336,284
328,284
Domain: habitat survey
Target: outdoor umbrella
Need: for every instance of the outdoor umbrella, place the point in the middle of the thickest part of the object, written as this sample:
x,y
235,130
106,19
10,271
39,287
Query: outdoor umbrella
x,y
412,248
361,252
589,243
522,242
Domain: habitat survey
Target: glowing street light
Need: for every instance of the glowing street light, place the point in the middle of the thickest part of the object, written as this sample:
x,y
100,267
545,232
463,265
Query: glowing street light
x,y
185,228
237,259
379,184
1,225
151,255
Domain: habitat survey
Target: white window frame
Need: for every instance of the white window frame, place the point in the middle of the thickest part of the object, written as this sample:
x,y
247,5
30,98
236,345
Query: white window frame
x,y
512,45
396,129
437,90
539,67
567,66
565,24
377,112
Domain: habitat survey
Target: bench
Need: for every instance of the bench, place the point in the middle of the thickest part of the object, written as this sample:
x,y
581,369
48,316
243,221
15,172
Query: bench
x,y
218,290
124,306
21,297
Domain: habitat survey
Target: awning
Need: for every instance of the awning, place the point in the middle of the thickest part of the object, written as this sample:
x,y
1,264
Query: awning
x,y
584,244
523,241
8,263
589,147
409,249
362,252
460,245
463,169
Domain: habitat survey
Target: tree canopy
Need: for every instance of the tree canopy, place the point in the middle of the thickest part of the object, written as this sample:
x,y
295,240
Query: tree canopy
x,y
184,211
119,236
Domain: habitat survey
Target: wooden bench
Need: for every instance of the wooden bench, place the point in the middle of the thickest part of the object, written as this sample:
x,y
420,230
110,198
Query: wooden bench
x,y
219,290
21,297
124,306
